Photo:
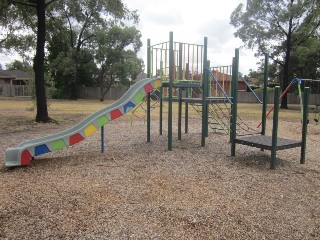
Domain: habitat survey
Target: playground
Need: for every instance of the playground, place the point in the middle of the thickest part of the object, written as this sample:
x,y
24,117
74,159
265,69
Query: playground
x,y
176,157
139,190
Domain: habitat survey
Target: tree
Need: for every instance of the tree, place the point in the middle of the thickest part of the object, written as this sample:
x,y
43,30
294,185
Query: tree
x,y
26,13
24,19
305,59
18,65
77,27
277,27
115,59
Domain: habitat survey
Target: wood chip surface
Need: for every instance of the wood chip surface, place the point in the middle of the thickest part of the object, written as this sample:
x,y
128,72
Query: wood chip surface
x,y
140,190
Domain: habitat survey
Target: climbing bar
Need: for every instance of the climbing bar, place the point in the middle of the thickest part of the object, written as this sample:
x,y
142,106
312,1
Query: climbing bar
x,y
280,98
251,90
216,81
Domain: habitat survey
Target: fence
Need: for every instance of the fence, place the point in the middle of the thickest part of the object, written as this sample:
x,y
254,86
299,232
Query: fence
x,y
95,93
248,97
84,92
14,90
116,92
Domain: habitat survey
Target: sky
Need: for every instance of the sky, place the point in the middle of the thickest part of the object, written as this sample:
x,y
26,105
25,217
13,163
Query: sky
x,y
190,22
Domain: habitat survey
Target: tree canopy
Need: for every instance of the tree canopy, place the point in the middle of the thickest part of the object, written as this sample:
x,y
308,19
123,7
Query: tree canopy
x,y
280,28
62,37
116,53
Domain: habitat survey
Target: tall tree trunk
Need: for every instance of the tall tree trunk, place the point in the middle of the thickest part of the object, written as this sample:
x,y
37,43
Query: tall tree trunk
x,y
104,88
38,65
285,83
285,80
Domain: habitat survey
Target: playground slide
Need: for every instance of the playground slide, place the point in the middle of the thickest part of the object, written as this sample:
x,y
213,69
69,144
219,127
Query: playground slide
x,y
23,153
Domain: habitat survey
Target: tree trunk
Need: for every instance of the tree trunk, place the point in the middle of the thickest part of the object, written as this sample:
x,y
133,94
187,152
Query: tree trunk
x,y
105,89
38,65
285,80
285,83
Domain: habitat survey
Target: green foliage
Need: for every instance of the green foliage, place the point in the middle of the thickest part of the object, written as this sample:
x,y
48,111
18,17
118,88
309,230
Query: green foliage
x,y
305,59
17,27
19,65
116,53
74,40
85,39
280,28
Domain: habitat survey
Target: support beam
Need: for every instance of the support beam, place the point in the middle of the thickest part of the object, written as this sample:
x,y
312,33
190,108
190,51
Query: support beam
x,y
102,139
204,91
304,124
265,99
171,79
235,72
275,128
149,94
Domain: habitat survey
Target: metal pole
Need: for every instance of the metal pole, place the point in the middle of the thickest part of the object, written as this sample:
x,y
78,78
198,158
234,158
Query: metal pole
x,y
179,113
149,94
171,69
304,124
204,96
235,72
180,61
161,99
186,118
233,127
275,128
102,139
207,95
265,99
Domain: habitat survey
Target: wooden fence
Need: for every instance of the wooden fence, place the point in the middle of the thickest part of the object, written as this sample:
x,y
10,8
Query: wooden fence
x,y
116,92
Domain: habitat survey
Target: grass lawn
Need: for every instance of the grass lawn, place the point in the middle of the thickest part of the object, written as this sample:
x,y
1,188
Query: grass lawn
x,y
15,110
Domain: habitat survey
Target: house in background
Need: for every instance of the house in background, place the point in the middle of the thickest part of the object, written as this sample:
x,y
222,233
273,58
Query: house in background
x,y
14,77
224,79
14,83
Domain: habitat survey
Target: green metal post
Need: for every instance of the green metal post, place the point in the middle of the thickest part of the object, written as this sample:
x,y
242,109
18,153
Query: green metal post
x,y
161,100
207,95
275,128
186,117
179,113
232,126
235,72
180,61
304,124
149,94
204,91
171,75
265,99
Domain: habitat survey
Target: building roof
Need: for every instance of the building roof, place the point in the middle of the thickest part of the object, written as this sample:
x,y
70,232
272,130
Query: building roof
x,y
15,74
